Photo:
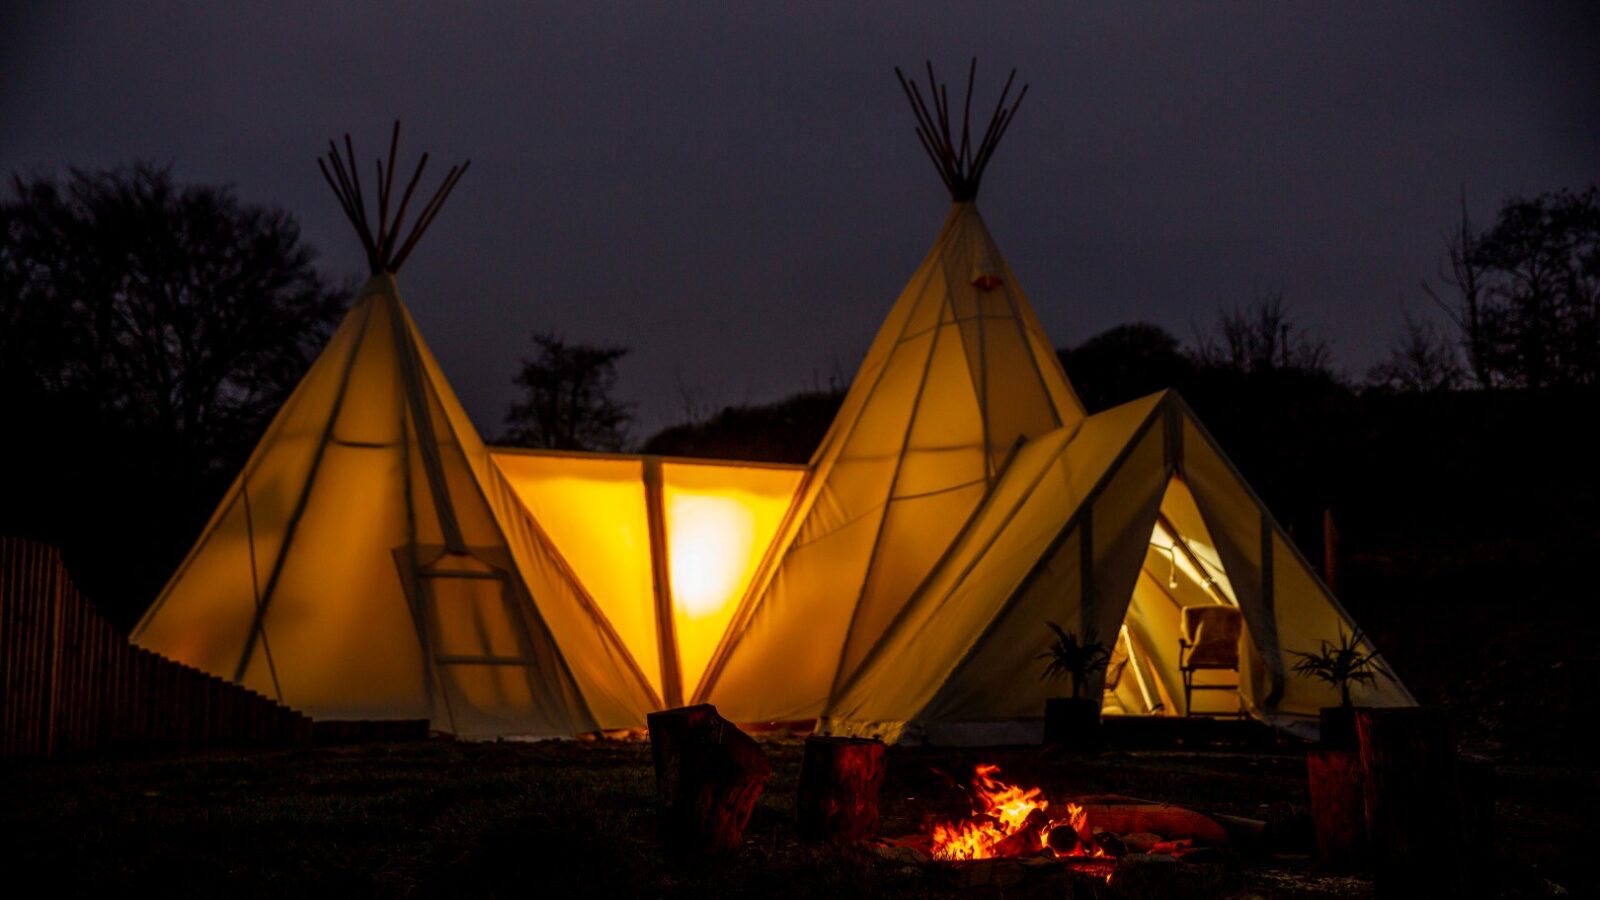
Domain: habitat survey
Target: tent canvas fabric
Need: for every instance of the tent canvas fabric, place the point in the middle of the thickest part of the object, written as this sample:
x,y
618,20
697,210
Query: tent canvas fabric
x,y
666,546
1086,528
370,562
960,371
375,560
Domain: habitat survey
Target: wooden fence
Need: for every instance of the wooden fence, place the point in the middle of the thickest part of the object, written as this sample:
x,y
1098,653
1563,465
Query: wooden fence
x,y
69,682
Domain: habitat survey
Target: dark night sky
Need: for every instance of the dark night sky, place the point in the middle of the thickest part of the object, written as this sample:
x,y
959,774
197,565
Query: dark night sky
x,y
734,190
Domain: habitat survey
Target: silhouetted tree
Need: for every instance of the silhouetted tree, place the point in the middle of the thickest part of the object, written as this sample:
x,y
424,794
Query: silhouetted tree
x,y
1462,273
1421,360
1261,337
148,332
1543,261
787,431
569,404
1526,293
172,309
1125,362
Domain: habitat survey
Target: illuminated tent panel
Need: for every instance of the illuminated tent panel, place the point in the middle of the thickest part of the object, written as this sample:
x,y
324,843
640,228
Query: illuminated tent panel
x,y
593,509
958,373
1111,529
716,522
720,525
369,563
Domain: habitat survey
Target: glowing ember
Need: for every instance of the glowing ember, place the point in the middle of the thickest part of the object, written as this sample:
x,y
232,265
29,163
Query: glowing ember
x,y
1009,820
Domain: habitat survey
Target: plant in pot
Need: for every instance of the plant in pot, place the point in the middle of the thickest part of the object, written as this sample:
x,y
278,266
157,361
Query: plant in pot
x,y
1341,663
1073,721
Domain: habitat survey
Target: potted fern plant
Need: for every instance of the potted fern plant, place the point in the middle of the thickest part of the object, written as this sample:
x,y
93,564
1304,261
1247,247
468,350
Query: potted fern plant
x,y
1073,721
1341,663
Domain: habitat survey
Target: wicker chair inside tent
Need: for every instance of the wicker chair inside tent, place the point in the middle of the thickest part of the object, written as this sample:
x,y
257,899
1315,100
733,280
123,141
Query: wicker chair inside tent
x,y
1210,642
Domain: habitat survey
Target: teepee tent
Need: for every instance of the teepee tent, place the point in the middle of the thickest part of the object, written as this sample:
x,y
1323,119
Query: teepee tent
x,y
1110,528
958,373
370,562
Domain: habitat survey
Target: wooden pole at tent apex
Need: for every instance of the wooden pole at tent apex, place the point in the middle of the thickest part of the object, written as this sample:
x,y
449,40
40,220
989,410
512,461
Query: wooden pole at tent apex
x,y
385,251
959,161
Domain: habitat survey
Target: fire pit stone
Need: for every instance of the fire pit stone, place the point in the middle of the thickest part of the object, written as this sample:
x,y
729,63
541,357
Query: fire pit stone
x,y
900,853
1001,873
1140,841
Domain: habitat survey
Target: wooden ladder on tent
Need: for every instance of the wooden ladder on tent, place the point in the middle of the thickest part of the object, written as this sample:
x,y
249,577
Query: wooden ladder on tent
x,y
469,619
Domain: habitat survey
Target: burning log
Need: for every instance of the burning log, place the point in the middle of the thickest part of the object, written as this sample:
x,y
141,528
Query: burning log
x,y
1411,800
840,779
1109,844
1337,807
1063,841
1027,840
709,775
1124,815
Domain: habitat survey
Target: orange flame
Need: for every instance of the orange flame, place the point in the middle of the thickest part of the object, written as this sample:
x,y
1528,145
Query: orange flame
x,y
1001,809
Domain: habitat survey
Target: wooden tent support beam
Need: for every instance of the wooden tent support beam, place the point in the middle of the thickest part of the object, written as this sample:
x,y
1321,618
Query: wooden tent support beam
x,y
840,779
1200,565
960,166
709,775
344,178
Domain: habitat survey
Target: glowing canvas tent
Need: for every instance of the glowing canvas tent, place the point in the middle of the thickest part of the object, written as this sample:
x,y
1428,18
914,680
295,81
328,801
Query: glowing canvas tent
x,y
370,562
375,560
958,373
1084,529
667,547
961,499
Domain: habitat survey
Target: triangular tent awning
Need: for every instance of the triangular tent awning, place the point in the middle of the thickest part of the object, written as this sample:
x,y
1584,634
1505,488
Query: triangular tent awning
x,y
666,547
1086,529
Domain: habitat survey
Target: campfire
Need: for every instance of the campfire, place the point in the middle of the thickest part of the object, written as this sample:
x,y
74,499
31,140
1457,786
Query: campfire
x,y
1012,821
1014,830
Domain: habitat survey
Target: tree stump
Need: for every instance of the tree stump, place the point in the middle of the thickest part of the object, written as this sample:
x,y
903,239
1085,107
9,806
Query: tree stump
x,y
840,779
1412,800
1338,728
1072,724
709,775
1338,807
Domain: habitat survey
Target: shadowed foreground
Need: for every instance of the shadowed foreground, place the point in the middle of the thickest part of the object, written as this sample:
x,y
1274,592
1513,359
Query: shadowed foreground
x,y
568,819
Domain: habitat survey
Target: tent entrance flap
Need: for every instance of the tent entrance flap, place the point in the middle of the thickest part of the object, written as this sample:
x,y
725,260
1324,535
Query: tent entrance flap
x,y
1180,577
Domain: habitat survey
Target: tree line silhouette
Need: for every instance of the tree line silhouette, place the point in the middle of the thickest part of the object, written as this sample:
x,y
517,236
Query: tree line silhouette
x,y
148,332
150,329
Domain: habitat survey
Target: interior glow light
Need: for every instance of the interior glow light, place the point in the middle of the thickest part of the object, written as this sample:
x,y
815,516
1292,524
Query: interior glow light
x,y
712,539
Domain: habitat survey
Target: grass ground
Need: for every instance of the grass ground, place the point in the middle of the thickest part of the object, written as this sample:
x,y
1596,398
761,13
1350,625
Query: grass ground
x,y
441,819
